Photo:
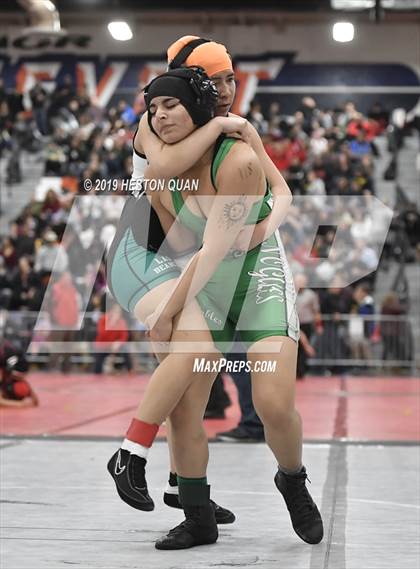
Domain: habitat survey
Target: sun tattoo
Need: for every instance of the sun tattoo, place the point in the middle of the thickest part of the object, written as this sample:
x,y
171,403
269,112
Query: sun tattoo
x,y
234,211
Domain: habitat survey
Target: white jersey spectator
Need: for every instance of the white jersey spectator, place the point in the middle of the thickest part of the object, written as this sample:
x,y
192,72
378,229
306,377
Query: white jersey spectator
x,y
50,255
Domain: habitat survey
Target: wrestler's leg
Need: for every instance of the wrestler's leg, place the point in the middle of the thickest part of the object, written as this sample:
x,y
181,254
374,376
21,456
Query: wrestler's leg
x,y
274,400
190,443
273,394
166,387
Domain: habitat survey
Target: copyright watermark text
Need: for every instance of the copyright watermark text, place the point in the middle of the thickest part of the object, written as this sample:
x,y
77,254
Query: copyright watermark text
x,y
146,184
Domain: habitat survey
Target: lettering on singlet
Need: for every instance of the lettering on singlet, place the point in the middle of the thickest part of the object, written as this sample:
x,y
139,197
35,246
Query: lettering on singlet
x,y
163,263
271,279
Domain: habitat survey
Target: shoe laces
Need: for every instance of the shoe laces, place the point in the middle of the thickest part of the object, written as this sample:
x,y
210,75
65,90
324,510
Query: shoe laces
x,y
215,506
298,497
187,525
138,472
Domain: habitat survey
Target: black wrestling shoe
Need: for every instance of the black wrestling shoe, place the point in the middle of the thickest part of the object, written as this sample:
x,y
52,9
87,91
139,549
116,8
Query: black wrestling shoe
x,y
222,515
172,500
305,516
239,435
198,528
128,472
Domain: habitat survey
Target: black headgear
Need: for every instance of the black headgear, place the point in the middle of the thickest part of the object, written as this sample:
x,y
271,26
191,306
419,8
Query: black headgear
x,y
196,92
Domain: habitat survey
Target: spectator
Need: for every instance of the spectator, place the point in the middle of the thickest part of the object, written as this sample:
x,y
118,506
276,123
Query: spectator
x,y
360,146
63,307
5,286
315,186
249,429
50,255
349,113
256,118
361,329
51,204
362,225
309,111
76,254
395,331
332,342
380,115
38,96
307,305
411,220
23,234
83,99
112,334
55,159
15,391
277,149
26,287
275,119
318,144
8,252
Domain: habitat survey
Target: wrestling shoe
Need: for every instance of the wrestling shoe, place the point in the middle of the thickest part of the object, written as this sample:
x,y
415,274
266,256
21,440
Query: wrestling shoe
x,y
305,516
128,472
198,528
239,435
222,515
171,499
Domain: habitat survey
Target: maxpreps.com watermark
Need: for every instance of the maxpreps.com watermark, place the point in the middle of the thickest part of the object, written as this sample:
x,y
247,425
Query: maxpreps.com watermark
x,y
204,365
146,184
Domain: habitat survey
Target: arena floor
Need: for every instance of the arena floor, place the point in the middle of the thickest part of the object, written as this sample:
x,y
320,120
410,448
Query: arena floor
x,y
60,509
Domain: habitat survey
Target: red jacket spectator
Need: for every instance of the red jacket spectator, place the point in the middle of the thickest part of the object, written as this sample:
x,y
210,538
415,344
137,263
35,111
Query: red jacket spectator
x,y
64,302
278,151
297,149
369,126
111,328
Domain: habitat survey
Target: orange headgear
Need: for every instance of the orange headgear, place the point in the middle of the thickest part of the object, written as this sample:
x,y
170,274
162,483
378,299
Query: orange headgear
x,y
213,57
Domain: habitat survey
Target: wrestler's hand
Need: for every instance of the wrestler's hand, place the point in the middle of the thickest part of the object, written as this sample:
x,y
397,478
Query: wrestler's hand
x,y
159,326
162,330
235,126
262,231
244,239
252,235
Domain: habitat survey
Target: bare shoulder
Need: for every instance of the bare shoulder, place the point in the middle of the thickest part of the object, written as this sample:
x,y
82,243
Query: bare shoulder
x,y
240,167
141,132
143,121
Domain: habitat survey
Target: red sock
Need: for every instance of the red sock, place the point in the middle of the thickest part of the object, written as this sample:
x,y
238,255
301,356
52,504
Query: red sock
x,y
142,433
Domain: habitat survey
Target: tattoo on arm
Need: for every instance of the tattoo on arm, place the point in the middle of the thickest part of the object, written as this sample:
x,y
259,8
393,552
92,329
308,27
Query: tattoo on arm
x,y
246,171
233,212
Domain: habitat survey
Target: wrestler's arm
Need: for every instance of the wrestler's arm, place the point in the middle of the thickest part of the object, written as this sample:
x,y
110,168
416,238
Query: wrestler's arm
x,y
171,160
237,180
27,402
282,196
34,398
303,339
180,238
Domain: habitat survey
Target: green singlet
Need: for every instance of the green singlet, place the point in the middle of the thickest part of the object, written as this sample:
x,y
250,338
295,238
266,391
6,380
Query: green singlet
x,y
251,293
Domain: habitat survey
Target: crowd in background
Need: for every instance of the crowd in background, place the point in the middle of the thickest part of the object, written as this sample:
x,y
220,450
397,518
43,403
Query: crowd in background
x,y
321,153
